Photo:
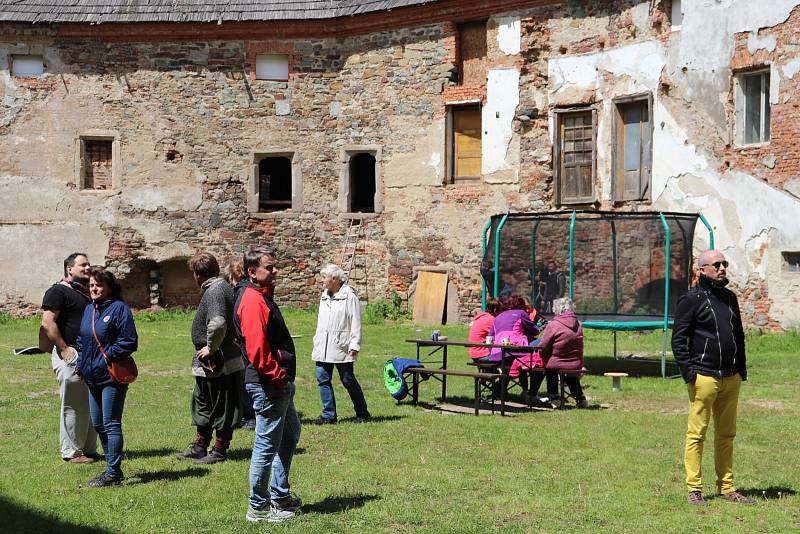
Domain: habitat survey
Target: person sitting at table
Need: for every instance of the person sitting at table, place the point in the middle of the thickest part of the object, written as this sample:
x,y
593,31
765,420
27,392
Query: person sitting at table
x,y
512,324
561,347
480,326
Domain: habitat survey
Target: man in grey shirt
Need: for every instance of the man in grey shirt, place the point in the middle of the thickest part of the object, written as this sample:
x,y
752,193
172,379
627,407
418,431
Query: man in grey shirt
x,y
216,365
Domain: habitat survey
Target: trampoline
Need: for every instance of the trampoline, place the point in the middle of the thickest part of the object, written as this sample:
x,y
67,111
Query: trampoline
x,y
623,270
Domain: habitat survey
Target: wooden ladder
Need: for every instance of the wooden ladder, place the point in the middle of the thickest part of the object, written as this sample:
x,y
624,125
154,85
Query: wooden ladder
x,y
348,257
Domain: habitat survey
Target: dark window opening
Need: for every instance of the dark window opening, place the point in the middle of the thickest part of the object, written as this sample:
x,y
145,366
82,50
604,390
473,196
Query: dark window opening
x,y
791,261
274,184
97,163
362,183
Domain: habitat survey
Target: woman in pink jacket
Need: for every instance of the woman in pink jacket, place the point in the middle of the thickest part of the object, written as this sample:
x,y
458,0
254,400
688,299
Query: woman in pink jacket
x,y
561,347
480,326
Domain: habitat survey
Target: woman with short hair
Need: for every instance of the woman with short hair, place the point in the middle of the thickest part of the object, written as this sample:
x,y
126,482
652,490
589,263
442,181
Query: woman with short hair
x,y
337,343
107,331
561,348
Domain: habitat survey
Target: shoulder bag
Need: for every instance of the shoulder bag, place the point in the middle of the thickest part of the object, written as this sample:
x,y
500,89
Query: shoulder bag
x,y
123,371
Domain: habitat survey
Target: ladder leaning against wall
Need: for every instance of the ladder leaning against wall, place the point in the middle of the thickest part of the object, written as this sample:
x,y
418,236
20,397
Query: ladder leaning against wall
x,y
352,263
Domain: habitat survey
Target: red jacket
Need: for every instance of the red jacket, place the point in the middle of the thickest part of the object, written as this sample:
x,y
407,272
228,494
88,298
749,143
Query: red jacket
x,y
478,331
254,320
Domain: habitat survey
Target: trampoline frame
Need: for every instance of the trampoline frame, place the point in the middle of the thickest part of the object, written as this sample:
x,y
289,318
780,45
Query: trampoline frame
x,y
664,324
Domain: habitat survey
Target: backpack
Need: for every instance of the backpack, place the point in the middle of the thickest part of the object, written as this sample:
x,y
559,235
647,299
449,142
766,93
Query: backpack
x,y
393,376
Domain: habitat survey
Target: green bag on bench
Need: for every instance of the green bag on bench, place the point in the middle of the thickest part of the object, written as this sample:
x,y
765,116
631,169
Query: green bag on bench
x,y
393,376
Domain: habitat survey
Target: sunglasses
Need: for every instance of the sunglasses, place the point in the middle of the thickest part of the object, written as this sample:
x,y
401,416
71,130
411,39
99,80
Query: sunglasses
x,y
717,264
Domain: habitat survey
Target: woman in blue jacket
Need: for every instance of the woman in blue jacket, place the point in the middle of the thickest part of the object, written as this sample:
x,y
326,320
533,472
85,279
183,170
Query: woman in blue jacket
x,y
107,327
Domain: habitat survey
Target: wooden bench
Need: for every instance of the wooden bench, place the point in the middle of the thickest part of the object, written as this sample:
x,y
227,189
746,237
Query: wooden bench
x,y
562,373
416,372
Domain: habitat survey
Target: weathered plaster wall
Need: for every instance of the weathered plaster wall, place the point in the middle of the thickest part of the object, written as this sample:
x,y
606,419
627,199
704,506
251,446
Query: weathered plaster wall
x,y
390,89
694,167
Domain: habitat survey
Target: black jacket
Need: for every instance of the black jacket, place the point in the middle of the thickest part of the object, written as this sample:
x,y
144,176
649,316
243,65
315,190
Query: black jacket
x,y
708,338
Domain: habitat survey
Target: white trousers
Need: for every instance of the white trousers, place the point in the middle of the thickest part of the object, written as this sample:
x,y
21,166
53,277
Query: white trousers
x,y
77,434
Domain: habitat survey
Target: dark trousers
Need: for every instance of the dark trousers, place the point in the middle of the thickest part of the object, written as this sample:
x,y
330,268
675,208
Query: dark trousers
x,y
348,377
573,383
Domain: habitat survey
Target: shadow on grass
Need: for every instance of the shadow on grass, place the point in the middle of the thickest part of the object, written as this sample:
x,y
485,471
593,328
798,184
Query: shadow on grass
x,y
17,518
371,421
150,453
167,475
335,505
238,455
772,492
597,365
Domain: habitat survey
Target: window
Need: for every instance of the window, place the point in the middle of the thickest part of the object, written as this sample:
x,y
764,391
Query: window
x,y
575,156
272,67
676,15
464,143
97,163
274,184
472,53
360,186
362,183
633,140
791,262
752,108
27,66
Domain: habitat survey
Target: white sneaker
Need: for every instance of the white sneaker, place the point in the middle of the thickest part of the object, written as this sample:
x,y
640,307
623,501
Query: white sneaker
x,y
270,515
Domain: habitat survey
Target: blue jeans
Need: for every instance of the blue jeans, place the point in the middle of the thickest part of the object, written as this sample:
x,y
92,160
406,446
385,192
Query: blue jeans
x,y
276,437
105,409
348,378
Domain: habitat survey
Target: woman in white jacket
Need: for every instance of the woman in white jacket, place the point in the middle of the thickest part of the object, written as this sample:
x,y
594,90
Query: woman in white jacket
x,y
337,343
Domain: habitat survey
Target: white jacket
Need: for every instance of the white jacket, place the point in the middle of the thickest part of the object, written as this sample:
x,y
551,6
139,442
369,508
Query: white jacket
x,y
338,327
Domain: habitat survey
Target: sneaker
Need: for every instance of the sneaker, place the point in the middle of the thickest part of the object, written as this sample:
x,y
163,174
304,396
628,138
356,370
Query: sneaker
x,y
555,403
213,457
289,503
94,456
104,479
695,498
81,460
583,404
270,515
195,452
362,418
735,496
323,421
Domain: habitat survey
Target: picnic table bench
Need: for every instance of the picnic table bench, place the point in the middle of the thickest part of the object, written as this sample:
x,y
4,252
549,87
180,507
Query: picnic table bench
x,y
562,373
443,372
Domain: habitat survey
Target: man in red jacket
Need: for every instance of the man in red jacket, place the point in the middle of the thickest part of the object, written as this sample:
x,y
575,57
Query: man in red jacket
x,y
269,379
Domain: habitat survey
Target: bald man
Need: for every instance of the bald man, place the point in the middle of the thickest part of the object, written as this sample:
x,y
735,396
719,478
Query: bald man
x,y
708,344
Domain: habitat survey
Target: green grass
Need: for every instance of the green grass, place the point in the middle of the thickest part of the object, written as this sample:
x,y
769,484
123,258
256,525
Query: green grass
x,y
613,469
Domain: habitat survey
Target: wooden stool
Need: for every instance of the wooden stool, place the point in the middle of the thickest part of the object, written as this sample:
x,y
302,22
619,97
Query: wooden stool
x,y
616,379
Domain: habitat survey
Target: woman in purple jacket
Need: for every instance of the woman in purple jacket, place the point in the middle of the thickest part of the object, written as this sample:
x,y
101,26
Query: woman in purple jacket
x,y
513,323
561,347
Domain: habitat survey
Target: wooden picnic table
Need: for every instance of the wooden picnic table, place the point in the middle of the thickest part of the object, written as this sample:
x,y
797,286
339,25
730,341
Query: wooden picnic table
x,y
442,346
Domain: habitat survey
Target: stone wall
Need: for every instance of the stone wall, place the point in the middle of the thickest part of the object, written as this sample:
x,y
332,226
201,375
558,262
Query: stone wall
x,y
188,118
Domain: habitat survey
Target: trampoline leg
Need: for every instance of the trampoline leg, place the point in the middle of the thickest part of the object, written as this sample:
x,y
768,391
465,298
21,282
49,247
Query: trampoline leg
x,y
664,354
615,344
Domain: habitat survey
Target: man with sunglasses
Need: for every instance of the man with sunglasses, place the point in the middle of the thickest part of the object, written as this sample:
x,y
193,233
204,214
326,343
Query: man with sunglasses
x,y
708,344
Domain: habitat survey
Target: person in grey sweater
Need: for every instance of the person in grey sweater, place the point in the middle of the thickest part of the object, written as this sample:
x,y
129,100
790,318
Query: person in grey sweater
x,y
216,365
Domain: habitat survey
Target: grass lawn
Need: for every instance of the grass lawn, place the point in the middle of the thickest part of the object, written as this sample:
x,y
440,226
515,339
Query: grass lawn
x,y
616,468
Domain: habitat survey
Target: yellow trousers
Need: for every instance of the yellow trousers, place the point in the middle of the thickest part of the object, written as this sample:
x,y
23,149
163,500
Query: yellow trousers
x,y
718,397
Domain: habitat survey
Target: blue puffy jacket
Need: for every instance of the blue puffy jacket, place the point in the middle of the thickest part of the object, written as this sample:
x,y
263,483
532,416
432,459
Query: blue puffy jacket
x,y
113,322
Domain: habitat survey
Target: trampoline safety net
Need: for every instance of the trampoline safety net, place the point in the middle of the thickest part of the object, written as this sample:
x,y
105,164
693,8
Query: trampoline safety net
x,y
613,267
